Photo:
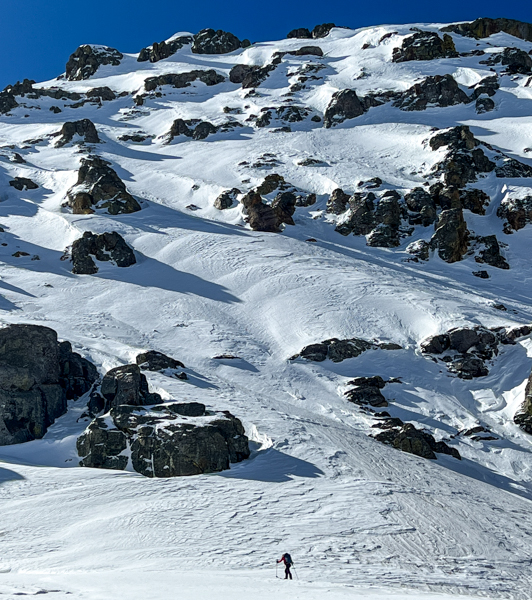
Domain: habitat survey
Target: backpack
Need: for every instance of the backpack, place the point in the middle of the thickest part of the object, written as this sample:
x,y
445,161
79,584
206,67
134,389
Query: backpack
x,y
288,560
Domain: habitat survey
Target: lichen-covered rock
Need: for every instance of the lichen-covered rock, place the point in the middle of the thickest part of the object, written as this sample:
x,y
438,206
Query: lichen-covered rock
x,y
84,129
169,440
182,80
37,375
160,51
99,186
209,41
86,60
425,45
451,236
157,361
23,183
344,104
485,27
437,90
226,199
104,247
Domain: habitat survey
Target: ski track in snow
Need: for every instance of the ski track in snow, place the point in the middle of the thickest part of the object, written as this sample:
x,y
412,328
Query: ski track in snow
x,y
360,519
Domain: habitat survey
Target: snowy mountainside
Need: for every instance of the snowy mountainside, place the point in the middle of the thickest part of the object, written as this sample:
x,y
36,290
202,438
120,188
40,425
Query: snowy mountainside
x,y
351,510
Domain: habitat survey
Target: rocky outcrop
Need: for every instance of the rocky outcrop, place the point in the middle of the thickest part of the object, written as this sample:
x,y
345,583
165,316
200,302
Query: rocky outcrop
x,y
182,80
86,60
517,212
388,219
517,61
106,247
366,391
160,51
415,441
523,417
37,376
425,45
99,187
157,361
323,30
344,104
227,199
451,236
7,102
489,252
23,183
339,350
101,94
251,76
269,218
466,348
169,440
438,90
301,33
337,202
84,129
421,207
484,27
209,41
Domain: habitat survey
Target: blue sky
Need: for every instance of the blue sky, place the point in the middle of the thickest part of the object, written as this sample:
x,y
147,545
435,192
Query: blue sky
x,y
39,35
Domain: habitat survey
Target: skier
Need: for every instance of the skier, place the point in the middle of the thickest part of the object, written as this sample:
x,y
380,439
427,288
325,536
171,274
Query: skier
x,y
288,562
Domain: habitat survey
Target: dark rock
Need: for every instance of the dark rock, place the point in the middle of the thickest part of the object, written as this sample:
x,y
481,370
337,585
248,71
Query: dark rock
x,y
301,33
388,217
335,349
359,219
321,31
517,61
226,199
513,168
239,73
84,128
451,236
474,200
457,138
98,185
491,252
7,102
436,344
337,202
162,443
484,105
86,60
101,93
104,247
421,205
160,51
438,90
203,130
487,86
134,137
271,183
126,385
414,441
22,183
420,250
284,206
516,211
373,184
157,361
463,339
55,109
425,45
481,274
344,104
509,336
260,216
292,114
182,80
467,367
16,158
485,27
36,377
77,375
209,41
307,51
179,127
367,390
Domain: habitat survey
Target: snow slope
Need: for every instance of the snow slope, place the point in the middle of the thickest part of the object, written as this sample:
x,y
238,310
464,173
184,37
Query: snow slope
x,y
360,518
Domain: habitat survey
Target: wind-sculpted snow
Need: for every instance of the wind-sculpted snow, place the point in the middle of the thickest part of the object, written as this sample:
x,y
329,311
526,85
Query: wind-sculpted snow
x,y
425,167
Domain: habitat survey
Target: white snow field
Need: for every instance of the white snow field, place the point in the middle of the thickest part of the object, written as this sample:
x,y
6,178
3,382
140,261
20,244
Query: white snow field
x,y
360,519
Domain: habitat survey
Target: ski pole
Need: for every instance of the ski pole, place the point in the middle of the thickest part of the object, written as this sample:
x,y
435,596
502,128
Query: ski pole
x,y
297,576
276,567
